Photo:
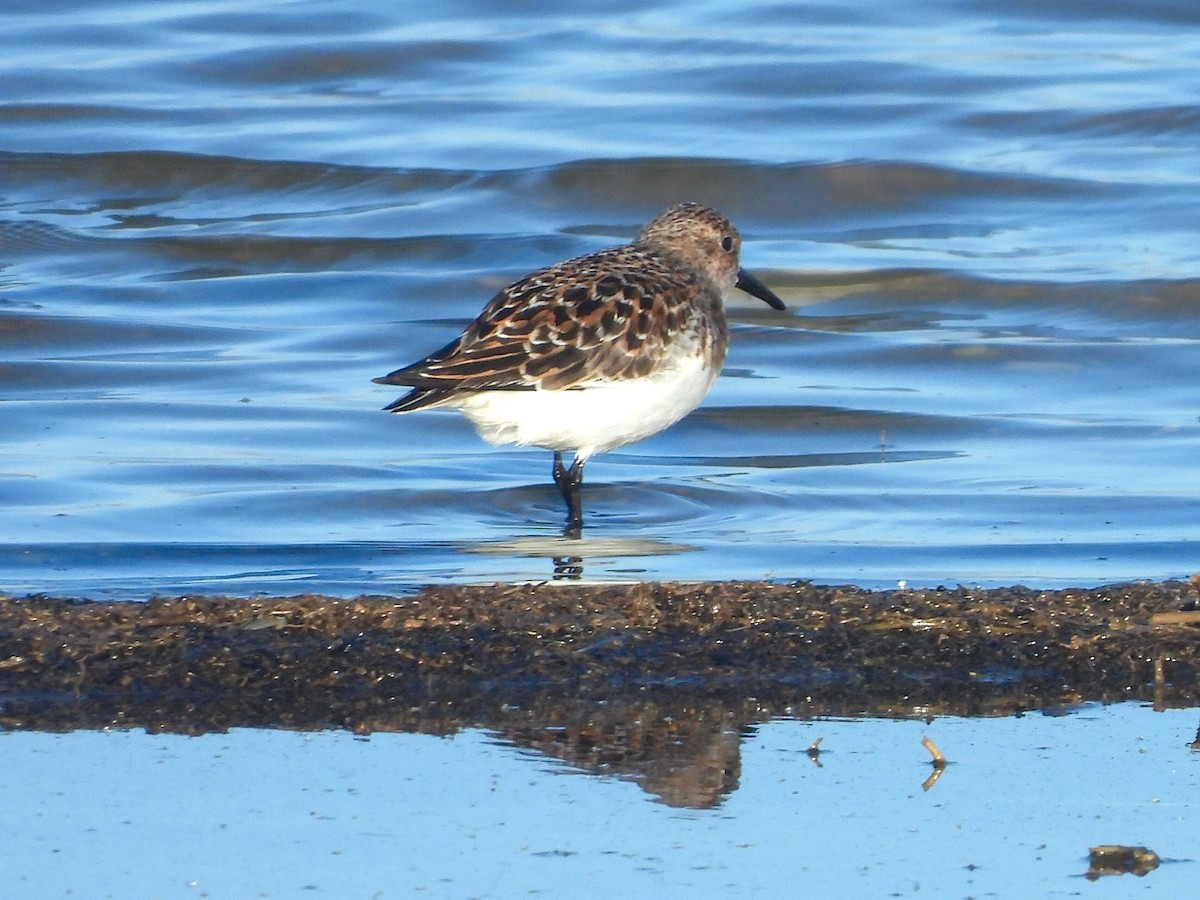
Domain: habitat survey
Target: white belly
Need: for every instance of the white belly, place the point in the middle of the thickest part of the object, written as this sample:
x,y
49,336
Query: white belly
x,y
591,419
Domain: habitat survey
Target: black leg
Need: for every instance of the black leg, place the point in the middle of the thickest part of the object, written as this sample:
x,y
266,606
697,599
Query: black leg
x,y
575,495
559,473
570,485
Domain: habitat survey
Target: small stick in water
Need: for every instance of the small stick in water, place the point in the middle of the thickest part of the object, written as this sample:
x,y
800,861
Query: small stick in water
x,y
814,751
939,761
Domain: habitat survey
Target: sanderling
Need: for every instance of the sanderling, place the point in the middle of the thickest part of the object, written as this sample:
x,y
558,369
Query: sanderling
x,y
595,352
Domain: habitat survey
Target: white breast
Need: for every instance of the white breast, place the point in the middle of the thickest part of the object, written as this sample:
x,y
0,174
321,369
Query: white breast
x,y
591,419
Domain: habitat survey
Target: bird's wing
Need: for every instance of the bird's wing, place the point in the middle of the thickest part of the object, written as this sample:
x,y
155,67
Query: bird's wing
x,y
607,316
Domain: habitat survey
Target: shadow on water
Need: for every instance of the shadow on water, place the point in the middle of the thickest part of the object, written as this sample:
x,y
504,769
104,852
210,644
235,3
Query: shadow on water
x,y
681,744
568,554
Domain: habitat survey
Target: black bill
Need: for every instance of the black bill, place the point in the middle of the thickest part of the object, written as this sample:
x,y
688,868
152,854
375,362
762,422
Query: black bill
x,y
756,288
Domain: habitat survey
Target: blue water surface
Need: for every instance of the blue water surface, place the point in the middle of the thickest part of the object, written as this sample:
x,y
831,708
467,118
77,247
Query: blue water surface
x,y
218,223
281,814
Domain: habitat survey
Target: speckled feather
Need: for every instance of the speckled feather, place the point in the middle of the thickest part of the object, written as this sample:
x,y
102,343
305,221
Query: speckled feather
x,y
604,317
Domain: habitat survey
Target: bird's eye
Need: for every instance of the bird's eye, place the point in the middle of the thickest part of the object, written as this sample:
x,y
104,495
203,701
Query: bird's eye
x,y
727,243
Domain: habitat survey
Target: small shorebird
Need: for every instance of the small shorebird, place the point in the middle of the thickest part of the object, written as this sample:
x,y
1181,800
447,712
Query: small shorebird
x,y
595,352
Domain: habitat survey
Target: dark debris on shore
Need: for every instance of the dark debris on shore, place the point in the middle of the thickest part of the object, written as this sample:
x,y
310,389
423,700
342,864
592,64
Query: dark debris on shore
x,y
463,652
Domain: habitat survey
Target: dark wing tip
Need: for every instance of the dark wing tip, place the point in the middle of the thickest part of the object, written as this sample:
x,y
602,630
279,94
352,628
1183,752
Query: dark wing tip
x,y
417,398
